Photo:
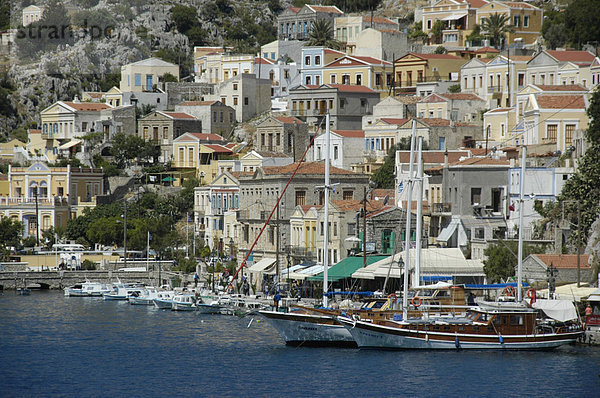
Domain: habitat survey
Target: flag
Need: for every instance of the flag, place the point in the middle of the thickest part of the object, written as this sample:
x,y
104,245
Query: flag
x,y
400,187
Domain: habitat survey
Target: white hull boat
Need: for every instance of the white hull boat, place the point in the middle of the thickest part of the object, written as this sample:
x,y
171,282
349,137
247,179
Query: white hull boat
x,y
309,330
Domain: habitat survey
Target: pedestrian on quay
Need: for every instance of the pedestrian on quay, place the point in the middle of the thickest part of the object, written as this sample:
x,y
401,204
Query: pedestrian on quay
x,y
276,300
246,288
196,277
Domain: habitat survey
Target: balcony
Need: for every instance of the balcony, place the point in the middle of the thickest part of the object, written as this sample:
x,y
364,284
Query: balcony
x,y
486,212
494,89
41,202
441,209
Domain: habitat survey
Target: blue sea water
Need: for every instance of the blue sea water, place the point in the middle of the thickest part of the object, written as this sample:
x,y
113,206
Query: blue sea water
x,y
51,345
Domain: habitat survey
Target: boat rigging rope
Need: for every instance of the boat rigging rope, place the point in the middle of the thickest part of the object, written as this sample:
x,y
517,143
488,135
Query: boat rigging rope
x,y
229,285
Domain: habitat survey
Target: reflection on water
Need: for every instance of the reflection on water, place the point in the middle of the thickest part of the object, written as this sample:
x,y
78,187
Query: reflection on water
x,y
53,345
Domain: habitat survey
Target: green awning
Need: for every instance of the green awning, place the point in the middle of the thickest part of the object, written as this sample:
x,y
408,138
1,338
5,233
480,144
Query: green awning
x,y
345,268
169,179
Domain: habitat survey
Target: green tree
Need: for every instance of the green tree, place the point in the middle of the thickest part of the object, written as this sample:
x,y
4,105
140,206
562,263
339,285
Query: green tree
x,y
415,32
554,30
127,147
502,259
437,31
475,37
321,34
496,26
384,176
10,231
441,50
582,22
184,18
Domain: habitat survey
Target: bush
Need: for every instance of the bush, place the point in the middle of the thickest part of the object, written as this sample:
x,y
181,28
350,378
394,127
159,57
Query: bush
x,y
88,265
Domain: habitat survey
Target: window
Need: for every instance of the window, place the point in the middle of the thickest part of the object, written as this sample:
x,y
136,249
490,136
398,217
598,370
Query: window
x,y
307,60
300,198
317,80
335,152
551,130
235,86
378,79
363,102
246,101
359,80
222,117
526,21
475,196
347,195
138,79
517,21
262,139
429,24
308,80
286,73
317,60
165,133
569,129
345,79
145,133
235,101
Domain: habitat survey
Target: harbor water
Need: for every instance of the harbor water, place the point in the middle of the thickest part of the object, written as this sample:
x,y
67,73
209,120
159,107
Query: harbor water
x,y
51,345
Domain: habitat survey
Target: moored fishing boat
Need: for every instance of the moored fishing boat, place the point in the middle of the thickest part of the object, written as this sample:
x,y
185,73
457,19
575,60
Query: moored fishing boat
x,y
164,300
145,297
121,291
184,302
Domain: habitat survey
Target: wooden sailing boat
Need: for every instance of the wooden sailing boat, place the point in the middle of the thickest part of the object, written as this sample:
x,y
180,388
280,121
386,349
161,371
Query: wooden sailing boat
x,y
487,327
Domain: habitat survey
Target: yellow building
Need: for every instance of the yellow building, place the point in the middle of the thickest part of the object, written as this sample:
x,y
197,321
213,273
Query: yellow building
x,y
7,149
303,226
499,125
415,68
59,193
502,86
526,19
200,152
458,16
360,71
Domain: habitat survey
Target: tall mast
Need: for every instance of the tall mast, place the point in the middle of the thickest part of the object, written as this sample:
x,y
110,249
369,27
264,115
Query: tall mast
x,y
419,232
326,222
520,264
408,221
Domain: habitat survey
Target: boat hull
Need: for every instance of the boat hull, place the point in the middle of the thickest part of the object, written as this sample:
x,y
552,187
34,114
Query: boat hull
x,y
309,330
183,307
208,309
368,335
163,304
140,301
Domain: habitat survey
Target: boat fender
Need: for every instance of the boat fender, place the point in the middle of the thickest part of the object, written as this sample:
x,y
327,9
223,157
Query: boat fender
x,y
457,343
416,301
500,339
509,291
427,337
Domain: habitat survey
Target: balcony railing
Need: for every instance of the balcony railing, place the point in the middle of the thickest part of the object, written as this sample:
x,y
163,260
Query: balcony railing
x,y
442,208
494,89
21,200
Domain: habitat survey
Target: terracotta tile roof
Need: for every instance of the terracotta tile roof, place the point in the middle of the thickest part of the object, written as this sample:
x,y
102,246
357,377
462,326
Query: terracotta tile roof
x,y
333,52
35,131
380,20
391,120
521,58
306,208
485,60
480,161
414,204
87,106
561,87
178,115
408,99
328,9
433,157
305,168
461,96
218,148
263,61
349,88
546,101
486,49
394,31
355,204
197,103
433,56
371,60
289,119
480,151
207,136
237,174
350,133
431,98
578,57
295,10
565,261
476,3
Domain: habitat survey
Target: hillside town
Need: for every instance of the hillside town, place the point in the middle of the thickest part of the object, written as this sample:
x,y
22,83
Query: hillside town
x,y
230,135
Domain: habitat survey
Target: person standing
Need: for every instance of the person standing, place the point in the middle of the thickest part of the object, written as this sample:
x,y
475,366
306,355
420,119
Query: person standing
x,y
196,277
276,300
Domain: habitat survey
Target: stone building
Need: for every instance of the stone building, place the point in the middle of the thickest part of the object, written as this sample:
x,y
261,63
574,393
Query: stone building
x,y
283,134
216,117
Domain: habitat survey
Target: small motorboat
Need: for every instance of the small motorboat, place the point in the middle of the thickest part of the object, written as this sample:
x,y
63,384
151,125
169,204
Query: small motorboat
x,y
184,302
164,300
23,291
121,291
145,297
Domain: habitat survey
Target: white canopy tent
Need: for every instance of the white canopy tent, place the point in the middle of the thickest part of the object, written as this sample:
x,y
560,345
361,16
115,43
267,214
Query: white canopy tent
x,y
306,272
434,262
265,266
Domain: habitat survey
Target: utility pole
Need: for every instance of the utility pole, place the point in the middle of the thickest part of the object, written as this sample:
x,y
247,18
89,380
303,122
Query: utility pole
x,y
364,227
277,245
578,245
37,218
